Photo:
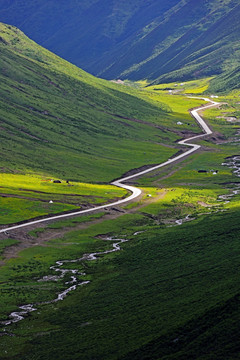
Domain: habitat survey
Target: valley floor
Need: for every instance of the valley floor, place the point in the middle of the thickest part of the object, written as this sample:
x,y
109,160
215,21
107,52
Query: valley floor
x,y
169,290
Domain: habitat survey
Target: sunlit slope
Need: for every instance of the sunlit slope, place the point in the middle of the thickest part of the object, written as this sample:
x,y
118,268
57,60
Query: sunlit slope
x,y
57,119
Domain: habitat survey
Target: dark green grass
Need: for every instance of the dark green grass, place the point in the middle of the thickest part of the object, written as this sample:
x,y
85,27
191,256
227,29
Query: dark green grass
x,y
227,81
206,340
165,279
158,287
68,223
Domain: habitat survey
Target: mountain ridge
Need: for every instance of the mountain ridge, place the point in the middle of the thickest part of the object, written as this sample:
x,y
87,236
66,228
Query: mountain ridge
x,y
158,41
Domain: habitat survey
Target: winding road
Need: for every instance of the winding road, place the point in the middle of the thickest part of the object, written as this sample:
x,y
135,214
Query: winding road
x,y
135,191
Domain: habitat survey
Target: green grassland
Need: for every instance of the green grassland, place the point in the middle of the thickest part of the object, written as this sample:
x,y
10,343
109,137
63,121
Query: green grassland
x,y
226,82
154,291
29,196
137,39
171,289
57,119
171,293
187,87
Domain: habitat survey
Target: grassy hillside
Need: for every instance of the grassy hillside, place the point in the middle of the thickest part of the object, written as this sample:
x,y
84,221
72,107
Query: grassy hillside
x,y
226,82
172,292
59,120
160,41
103,24
167,284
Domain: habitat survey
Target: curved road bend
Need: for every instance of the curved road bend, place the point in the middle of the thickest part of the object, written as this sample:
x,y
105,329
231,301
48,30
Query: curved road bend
x,y
135,191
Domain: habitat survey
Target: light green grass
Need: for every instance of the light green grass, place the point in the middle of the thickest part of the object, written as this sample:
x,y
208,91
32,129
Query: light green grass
x,y
14,210
31,196
35,183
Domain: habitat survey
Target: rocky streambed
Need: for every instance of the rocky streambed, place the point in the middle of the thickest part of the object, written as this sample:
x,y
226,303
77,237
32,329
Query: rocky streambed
x,y
233,190
73,283
60,269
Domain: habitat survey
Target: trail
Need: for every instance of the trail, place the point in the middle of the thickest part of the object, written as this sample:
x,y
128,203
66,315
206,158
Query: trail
x,y
120,182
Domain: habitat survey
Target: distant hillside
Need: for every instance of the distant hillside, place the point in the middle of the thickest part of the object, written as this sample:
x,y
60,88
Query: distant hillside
x,y
158,40
82,31
58,120
228,81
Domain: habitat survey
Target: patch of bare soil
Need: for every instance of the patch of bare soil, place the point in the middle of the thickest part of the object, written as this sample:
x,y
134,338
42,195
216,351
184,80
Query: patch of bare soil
x,y
184,133
136,170
204,204
147,202
27,241
22,197
82,201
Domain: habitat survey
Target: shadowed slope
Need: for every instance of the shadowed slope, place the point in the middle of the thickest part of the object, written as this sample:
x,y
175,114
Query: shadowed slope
x,y
157,40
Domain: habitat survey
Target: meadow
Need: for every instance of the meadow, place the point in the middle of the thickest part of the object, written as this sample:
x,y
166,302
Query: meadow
x,y
59,121
30,196
172,291
145,294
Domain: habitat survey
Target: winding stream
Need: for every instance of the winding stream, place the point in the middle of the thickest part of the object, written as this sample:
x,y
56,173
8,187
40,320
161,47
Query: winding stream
x,y
232,163
60,271
24,310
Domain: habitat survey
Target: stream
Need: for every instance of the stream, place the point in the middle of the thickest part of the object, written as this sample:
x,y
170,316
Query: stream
x,y
24,310
232,163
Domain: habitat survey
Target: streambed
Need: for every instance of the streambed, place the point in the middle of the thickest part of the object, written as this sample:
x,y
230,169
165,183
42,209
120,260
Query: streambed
x,y
233,163
73,283
25,310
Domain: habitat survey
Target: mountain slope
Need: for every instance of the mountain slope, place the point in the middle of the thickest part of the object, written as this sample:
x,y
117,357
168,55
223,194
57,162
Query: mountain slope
x,y
157,40
226,82
186,45
213,52
68,28
57,119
